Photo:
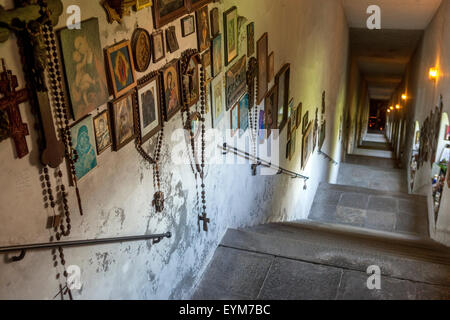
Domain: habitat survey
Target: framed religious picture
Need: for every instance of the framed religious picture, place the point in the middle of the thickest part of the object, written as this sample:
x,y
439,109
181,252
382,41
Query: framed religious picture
x,y
323,102
121,68
102,130
142,4
171,89
171,38
243,113
262,52
282,81
202,18
291,109
298,115
236,81
230,30
149,118
234,120
158,46
293,145
84,68
187,26
206,62
447,133
270,111
216,55
261,126
122,115
271,67
214,17
165,11
83,140
307,145
191,81
195,4
305,122
322,134
217,100
142,50
250,39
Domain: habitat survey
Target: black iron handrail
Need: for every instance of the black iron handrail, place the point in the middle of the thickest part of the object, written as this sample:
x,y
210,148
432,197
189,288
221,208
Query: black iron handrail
x,y
79,243
261,162
328,157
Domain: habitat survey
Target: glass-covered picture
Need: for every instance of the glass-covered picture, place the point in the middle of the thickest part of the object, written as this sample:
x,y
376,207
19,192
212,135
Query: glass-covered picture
x,y
121,68
149,108
83,139
243,113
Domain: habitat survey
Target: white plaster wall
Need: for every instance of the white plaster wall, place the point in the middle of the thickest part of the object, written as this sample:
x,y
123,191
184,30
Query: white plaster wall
x,y
311,35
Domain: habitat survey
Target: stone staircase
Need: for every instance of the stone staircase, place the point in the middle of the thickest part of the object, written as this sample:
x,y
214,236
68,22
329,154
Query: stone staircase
x,y
313,260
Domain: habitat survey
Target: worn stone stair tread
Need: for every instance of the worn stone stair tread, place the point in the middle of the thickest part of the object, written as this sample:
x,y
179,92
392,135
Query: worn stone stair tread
x,y
337,252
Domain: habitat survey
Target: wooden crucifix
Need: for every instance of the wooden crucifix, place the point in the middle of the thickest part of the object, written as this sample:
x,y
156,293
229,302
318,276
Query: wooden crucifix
x,y
205,220
10,104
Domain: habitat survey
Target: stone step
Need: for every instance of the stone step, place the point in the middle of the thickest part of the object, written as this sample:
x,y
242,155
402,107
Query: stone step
x,y
384,163
373,209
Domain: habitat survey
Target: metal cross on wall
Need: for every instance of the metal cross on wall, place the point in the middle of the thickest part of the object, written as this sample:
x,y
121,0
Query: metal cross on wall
x,y
10,103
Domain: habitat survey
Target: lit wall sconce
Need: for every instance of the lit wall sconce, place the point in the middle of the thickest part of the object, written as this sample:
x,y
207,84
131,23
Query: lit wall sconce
x,y
397,107
433,73
404,96
391,108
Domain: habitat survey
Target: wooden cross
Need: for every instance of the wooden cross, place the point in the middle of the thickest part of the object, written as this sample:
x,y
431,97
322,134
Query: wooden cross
x,y
10,103
203,218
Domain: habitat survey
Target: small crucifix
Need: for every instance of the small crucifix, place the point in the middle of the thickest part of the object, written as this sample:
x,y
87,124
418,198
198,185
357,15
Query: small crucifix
x,y
10,103
203,218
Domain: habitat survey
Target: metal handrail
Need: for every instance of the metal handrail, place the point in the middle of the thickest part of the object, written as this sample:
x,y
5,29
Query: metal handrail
x,y
79,243
261,162
328,157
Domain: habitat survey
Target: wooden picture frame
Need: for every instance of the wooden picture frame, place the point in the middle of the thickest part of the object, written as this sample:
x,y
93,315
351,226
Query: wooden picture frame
x,y
270,110
230,31
103,137
305,122
234,119
218,103
196,4
307,145
190,80
123,120
148,96
141,46
298,120
142,4
163,15
215,23
250,39
282,80
158,50
185,23
171,39
236,81
271,67
121,68
171,89
322,134
262,57
203,33
216,56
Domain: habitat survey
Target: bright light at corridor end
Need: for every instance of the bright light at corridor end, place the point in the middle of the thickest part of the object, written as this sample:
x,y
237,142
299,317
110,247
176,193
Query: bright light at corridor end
x,y
433,73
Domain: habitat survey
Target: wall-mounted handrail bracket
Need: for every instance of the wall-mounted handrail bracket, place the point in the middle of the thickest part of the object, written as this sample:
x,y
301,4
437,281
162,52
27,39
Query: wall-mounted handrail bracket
x,y
328,157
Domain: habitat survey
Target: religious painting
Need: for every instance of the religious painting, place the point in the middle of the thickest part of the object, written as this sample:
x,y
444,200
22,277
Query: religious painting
x,y
293,145
187,26
230,30
217,101
291,108
84,68
307,145
216,55
195,4
305,122
322,134
171,88
165,11
191,81
142,4
149,107
158,46
121,68
171,38
261,125
83,141
282,81
206,62
447,133
122,114
142,52
214,16
236,82
250,39
271,68
298,120
234,120
271,103
102,131
243,113
203,29
262,52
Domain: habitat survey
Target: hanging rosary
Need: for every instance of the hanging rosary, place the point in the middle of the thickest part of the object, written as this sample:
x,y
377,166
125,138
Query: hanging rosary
x,y
197,168
158,197
252,91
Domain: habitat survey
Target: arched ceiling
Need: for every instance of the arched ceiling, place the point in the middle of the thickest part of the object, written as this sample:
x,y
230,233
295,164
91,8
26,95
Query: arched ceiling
x,y
382,55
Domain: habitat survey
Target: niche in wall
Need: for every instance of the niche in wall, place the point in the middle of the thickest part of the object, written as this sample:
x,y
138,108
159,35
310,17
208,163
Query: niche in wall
x,y
440,164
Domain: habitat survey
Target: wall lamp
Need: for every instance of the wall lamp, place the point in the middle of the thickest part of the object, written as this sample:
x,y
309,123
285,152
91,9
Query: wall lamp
x,y
433,73
404,96
397,107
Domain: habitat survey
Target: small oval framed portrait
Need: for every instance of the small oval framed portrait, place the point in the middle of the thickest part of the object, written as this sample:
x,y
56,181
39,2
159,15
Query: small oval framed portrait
x,y
142,50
